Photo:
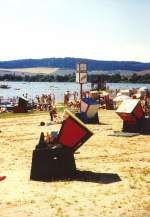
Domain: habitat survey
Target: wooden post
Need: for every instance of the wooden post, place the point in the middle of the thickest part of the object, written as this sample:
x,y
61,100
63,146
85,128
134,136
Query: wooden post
x,y
80,95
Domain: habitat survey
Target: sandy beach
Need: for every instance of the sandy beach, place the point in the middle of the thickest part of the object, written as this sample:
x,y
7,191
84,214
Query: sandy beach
x,y
116,172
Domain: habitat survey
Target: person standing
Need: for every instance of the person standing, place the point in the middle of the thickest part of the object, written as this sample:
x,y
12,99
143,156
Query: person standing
x,y
51,110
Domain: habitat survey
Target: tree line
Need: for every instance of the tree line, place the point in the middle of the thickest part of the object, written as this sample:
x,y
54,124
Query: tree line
x,y
116,78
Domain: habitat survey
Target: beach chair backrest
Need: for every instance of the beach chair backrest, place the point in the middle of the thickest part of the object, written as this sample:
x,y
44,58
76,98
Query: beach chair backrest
x,y
90,106
130,109
23,101
73,132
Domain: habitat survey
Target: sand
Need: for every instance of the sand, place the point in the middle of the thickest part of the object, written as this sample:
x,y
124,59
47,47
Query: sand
x,y
117,183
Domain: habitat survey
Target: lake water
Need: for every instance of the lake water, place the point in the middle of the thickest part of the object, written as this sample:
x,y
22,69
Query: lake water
x,y
58,88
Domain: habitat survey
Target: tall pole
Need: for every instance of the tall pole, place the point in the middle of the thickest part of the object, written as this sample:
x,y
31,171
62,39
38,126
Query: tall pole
x,y
81,91
80,95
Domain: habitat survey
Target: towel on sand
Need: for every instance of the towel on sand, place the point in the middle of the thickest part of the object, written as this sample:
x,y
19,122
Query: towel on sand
x,y
124,134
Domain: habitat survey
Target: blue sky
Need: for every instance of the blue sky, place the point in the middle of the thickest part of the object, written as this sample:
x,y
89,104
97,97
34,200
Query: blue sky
x,y
94,29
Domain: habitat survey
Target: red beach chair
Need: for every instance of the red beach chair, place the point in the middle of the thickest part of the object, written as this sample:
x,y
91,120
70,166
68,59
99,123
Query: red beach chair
x,y
57,161
131,113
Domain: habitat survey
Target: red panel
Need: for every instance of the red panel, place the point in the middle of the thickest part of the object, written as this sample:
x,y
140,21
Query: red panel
x,y
72,133
138,111
127,117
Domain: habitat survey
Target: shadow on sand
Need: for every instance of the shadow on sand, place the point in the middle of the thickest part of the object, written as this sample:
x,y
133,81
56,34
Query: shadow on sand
x,y
103,178
102,123
88,176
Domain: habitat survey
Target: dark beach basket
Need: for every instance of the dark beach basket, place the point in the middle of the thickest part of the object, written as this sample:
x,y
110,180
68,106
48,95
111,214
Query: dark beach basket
x,y
57,161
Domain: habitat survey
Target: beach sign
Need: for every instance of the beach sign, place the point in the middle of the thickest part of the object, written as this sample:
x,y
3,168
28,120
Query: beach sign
x,y
81,73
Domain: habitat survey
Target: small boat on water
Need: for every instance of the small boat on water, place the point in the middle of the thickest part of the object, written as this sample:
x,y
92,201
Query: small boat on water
x,y
4,86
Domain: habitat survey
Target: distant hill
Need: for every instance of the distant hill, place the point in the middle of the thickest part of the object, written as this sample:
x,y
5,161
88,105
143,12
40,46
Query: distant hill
x,y
70,63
